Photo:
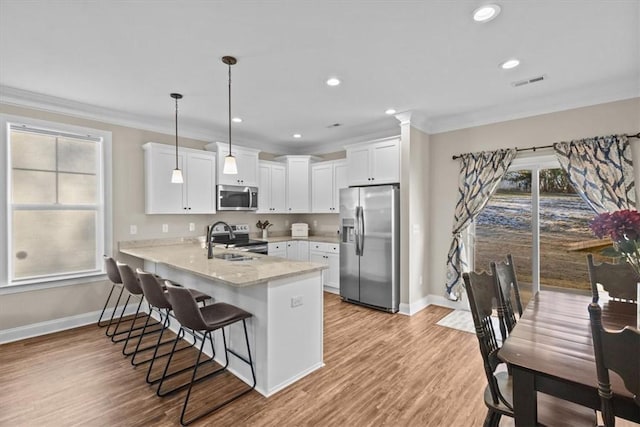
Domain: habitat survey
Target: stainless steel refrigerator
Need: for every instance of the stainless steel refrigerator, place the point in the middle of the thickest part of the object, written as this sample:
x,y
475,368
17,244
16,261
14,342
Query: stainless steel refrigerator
x,y
370,246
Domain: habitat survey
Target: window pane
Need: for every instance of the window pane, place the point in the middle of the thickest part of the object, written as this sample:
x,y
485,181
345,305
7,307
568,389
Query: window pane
x,y
33,187
53,242
33,151
77,189
76,155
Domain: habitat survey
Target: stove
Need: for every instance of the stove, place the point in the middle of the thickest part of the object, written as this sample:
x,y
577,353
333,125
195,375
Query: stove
x,y
242,242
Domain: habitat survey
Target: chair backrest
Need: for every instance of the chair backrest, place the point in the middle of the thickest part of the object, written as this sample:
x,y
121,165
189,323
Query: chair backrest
x,y
508,294
152,289
185,307
619,280
617,351
129,279
481,289
112,270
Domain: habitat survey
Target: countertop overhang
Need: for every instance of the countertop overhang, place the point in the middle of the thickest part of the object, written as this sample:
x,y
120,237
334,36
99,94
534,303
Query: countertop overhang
x,y
192,257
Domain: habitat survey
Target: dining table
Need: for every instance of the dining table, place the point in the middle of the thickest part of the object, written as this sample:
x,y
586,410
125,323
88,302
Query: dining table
x,y
550,350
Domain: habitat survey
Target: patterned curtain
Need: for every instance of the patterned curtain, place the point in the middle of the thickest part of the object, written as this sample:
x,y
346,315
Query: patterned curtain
x,y
600,170
480,174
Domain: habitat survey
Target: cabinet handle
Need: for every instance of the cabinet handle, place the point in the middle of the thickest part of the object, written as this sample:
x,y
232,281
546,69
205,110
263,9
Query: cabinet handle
x,y
185,208
189,208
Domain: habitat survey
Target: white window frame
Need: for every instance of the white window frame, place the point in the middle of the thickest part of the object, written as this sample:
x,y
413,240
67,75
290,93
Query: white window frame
x,y
534,162
104,233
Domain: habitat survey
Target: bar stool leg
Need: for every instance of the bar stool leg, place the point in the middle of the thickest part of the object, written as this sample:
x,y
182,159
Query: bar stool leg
x,y
106,303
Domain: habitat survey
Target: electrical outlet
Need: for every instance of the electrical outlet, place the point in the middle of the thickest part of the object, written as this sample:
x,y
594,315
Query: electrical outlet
x,y
192,226
315,223
165,228
133,229
296,301
286,223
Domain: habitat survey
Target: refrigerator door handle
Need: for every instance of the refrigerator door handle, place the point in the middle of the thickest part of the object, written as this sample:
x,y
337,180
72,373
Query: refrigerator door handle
x,y
361,224
357,231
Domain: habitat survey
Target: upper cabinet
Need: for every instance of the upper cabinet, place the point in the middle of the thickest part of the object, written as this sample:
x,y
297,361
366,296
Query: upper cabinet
x,y
298,183
374,163
195,195
272,184
246,160
327,178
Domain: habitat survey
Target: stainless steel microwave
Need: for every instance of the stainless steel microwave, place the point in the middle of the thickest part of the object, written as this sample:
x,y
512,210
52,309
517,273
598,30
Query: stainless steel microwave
x,y
237,198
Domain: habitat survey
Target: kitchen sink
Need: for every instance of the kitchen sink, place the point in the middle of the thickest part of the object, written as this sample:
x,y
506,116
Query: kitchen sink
x,y
233,257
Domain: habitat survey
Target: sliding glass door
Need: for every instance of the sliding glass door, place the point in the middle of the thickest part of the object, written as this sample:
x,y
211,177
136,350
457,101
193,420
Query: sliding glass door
x,y
536,217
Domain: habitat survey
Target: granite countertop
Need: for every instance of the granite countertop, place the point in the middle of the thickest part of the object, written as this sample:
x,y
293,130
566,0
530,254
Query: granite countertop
x,y
188,255
323,239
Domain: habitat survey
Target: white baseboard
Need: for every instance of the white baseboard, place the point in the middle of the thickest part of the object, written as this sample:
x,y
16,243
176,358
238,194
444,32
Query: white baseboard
x,y
462,304
331,290
55,325
414,307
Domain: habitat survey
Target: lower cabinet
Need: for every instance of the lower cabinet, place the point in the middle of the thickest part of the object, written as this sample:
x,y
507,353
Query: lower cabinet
x,y
298,250
277,249
328,254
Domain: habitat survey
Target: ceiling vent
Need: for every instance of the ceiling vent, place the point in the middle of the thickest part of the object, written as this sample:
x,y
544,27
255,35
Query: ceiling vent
x,y
529,81
335,125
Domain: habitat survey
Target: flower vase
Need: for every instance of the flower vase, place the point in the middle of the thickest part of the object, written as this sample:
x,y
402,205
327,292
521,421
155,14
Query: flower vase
x,y
264,233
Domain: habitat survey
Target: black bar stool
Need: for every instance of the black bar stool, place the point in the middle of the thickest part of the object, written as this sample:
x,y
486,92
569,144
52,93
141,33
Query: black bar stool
x,y
156,296
114,276
206,320
116,283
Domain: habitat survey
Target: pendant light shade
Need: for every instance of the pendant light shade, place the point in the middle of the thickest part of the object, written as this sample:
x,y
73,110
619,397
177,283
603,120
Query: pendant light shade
x,y
230,166
176,176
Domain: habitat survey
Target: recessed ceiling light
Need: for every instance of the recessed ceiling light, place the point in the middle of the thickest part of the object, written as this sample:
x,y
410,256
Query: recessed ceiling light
x,y
236,120
333,81
297,135
486,13
509,64
390,111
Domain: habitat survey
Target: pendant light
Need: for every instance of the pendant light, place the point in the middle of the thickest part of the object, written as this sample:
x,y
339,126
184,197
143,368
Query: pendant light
x,y
176,176
230,167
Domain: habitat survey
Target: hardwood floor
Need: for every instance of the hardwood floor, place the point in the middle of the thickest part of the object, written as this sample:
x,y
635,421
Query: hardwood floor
x,y
381,369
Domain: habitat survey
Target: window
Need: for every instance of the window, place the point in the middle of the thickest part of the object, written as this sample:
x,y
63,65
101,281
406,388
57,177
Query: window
x,y
56,217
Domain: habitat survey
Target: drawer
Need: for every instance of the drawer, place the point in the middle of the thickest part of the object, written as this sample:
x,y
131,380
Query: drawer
x,y
334,248
319,246
277,246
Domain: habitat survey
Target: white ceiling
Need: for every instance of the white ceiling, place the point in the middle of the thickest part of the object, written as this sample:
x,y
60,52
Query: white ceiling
x,y
120,60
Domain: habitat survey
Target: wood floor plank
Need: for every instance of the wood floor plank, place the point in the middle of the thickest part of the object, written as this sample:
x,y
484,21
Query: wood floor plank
x,y
381,370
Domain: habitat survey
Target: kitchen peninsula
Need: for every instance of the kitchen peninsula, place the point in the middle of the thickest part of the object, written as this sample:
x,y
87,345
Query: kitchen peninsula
x,y
284,296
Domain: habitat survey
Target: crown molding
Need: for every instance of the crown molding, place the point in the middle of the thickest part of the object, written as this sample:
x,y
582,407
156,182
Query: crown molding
x,y
617,90
53,104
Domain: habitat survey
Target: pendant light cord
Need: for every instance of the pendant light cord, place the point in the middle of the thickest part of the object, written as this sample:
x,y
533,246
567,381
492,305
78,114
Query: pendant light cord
x,y
230,109
176,132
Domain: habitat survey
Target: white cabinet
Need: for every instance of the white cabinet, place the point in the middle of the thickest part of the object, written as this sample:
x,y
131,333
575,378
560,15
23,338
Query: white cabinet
x,y
271,187
277,249
196,195
298,250
374,163
246,160
328,254
327,178
298,186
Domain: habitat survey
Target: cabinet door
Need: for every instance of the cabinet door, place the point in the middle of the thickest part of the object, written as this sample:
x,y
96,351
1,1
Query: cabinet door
x,y
277,249
292,250
319,257
340,170
264,189
358,160
298,187
322,188
303,250
200,184
161,195
332,275
247,167
385,162
278,189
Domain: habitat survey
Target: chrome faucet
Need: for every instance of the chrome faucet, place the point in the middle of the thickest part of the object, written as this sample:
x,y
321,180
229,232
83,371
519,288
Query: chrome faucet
x,y
210,234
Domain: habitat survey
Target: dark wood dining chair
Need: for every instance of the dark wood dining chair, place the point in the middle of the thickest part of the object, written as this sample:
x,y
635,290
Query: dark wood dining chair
x,y
498,395
508,294
619,280
618,351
